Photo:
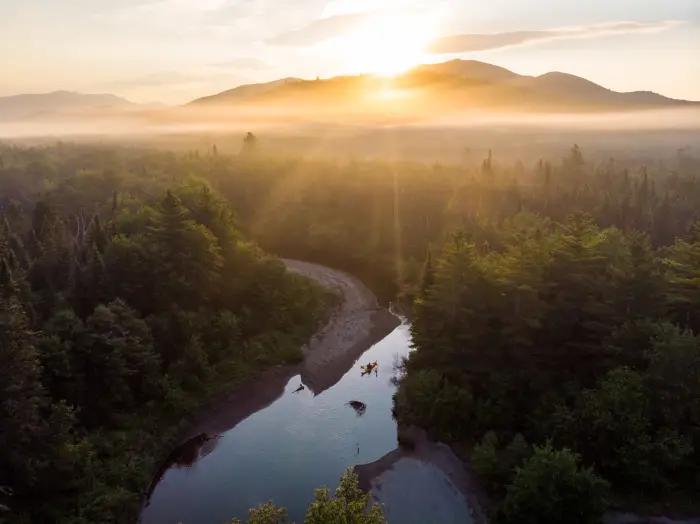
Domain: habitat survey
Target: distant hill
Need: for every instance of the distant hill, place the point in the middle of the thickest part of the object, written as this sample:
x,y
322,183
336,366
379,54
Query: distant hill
x,y
451,85
247,90
20,107
468,69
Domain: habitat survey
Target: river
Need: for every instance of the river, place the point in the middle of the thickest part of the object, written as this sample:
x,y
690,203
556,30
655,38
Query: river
x,y
302,441
288,449
285,451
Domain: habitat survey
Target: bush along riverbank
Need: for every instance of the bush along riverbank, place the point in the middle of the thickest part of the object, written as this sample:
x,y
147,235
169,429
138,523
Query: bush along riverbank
x,y
572,353
116,328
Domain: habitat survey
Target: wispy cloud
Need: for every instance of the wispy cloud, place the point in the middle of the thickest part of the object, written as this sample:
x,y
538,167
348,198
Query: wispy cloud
x,y
177,17
484,41
249,63
153,80
171,86
165,7
171,78
322,29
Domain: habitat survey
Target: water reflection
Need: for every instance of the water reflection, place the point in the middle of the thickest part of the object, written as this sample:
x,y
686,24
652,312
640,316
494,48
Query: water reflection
x,y
185,455
298,443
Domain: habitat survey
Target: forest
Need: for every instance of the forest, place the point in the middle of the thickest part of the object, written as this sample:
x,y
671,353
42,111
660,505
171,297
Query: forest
x,y
563,358
118,322
554,308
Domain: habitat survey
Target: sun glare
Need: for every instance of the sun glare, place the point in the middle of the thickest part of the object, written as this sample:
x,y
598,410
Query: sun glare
x,y
387,45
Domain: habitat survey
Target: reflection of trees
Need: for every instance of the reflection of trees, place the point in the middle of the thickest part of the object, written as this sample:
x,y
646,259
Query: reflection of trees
x,y
398,369
193,450
186,455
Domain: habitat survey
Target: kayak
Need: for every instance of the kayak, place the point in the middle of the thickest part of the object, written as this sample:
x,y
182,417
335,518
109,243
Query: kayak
x,y
369,367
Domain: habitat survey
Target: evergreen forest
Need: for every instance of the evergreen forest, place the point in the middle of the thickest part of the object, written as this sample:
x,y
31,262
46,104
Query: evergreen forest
x,y
555,316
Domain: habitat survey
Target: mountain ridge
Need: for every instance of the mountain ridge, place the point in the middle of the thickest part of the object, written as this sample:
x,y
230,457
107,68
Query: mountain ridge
x,y
427,89
494,85
29,105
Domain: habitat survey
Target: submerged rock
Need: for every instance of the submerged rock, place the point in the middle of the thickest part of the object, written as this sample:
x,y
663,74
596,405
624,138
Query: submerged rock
x,y
358,406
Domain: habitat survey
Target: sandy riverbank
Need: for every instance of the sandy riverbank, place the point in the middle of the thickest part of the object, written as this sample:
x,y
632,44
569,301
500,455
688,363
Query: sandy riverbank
x,y
354,325
402,480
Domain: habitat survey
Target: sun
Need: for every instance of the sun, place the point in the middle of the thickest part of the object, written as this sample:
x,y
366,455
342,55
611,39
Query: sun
x,y
386,45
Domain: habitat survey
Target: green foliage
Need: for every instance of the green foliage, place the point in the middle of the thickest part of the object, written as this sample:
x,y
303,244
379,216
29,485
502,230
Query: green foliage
x,y
517,451
551,488
564,333
116,327
486,462
496,465
347,505
539,309
429,399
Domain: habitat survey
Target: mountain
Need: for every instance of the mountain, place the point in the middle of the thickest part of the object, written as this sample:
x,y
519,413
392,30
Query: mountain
x,y
20,107
468,69
247,90
448,86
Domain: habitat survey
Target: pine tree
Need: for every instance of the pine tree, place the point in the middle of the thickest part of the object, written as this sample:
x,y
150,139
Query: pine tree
x,y
250,144
186,256
428,276
486,167
97,236
24,406
683,276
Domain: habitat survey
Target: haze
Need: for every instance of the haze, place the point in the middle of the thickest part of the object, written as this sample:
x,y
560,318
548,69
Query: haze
x,y
173,51
333,71
222,222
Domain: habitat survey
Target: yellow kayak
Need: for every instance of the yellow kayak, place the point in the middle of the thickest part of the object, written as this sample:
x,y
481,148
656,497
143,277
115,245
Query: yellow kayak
x,y
369,367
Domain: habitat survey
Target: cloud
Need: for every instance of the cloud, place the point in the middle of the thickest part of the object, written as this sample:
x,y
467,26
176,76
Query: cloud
x,y
322,29
243,63
170,79
167,7
153,80
484,41
177,18
171,86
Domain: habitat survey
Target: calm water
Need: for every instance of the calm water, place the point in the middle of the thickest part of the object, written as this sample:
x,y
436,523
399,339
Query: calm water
x,y
288,449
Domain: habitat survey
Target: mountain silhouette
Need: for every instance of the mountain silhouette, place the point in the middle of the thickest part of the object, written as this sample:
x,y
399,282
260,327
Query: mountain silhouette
x,y
20,107
454,84
424,91
248,90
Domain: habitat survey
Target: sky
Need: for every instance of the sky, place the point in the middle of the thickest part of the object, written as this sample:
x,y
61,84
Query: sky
x,y
172,51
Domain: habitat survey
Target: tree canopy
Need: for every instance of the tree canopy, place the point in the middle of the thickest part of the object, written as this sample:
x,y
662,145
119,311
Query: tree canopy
x,y
554,307
116,324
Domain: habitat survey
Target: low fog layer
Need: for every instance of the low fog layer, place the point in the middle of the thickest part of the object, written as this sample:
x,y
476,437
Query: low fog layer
x,y
457,137
432,112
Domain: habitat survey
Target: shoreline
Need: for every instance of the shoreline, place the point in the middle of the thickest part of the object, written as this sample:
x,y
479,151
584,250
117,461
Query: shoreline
x,y
353,326
356,324
429,452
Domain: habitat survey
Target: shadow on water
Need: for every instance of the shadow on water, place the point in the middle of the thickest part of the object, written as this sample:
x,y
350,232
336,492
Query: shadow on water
x,y
299,442
185,456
